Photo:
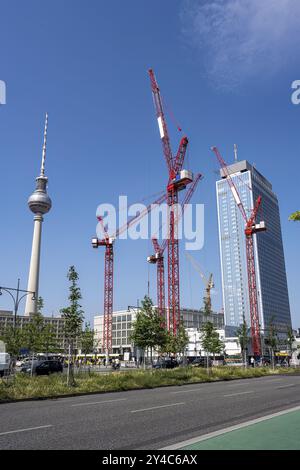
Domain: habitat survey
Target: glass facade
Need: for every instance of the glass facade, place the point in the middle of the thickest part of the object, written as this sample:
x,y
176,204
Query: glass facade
x,y
271,280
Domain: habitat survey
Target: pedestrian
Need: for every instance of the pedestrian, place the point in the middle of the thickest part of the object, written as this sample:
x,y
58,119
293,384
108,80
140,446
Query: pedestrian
x,y
252,361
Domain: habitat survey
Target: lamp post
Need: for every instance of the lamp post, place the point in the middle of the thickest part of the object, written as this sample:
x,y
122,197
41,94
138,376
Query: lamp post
x,y
17,298
135,350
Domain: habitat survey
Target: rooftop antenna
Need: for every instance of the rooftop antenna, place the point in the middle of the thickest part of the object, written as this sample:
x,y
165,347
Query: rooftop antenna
x,y
235,153
44,146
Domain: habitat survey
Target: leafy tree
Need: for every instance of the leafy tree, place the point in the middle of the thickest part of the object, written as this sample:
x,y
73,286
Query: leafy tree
x,y
49,340
33,333
181,340
243,339
295,216
290,340
272,339
13,339
175,344
87,340
40,305
73,315
38,335
148,331
168,347
210,340
207,310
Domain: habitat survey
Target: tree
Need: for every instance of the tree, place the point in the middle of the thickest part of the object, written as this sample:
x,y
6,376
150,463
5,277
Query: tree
x,y
87,340
290,340
169,345
181,340
295,216
175,344
13,339
40,305
210,340
49,340
243,338
148,330
207,310
73,315
272,339
33,333
38,335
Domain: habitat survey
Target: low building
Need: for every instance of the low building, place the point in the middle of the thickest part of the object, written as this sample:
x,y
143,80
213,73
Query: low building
x,y
195,349
57,323
122,326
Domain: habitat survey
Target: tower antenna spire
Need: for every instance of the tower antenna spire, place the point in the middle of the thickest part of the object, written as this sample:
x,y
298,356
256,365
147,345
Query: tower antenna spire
x,y
44,146
235,153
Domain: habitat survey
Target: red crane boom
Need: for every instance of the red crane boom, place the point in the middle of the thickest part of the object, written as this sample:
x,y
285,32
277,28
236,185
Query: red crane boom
x,y
251,228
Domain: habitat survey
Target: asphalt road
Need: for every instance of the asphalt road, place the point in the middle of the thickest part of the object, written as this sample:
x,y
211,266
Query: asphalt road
x,y
144,419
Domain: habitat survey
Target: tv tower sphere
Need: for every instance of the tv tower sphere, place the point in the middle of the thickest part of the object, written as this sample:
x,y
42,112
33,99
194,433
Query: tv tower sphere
x,y
39,203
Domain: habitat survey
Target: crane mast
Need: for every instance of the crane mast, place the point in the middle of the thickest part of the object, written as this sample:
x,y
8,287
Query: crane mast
x,y
209,283
178,179
158,256
251,227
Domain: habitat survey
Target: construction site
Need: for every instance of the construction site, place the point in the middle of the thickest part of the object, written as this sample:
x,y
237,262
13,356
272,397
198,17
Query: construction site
x,y
245,202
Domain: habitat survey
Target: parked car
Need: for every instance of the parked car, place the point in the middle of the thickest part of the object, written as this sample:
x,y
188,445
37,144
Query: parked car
x,y
25,360
168,363
201,362
42,367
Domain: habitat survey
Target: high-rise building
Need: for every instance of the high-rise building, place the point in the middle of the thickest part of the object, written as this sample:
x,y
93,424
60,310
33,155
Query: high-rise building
x,y
272,290
39,203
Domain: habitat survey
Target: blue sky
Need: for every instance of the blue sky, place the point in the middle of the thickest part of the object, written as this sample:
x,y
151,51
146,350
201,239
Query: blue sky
x,y
224,67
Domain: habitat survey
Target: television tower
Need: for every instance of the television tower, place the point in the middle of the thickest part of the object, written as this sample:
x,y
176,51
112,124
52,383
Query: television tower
x,y
39,203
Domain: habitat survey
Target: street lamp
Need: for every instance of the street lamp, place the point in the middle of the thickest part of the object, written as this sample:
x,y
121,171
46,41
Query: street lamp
x,y
135,350
16,298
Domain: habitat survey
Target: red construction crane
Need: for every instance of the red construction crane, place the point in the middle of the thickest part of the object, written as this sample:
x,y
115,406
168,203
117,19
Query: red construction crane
x,y
108,242
178,180
158,256
251,228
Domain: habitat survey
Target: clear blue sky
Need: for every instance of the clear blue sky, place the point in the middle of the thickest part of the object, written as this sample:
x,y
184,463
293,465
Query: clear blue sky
x,y
225,71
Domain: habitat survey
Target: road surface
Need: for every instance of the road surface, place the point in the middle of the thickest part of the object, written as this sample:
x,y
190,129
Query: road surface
x,y
144,419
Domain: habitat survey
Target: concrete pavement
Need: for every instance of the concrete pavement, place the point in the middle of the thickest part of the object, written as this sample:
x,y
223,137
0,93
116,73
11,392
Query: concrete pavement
x,y
143,419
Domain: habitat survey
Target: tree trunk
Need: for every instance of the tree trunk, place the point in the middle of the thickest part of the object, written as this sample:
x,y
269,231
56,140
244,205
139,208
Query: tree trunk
x,y
245,358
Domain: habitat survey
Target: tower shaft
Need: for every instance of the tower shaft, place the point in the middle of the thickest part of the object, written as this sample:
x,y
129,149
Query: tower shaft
x,y
34,270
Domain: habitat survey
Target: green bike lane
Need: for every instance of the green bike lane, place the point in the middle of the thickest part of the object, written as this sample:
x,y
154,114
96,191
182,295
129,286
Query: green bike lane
x,y
278,431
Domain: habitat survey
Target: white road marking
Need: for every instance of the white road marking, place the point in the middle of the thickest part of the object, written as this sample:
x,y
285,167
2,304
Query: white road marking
x,y
253,381
204,437
238,393
156,407
187,391
285,386
25,429
99,402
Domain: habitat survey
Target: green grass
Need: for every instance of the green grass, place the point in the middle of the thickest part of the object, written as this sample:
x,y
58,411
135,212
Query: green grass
x,y
23,386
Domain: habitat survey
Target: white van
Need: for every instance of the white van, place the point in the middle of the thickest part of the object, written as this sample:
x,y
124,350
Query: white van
x,y
4,363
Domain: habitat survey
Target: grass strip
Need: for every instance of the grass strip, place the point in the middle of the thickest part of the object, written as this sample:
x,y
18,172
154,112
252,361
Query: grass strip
x,y
26,387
